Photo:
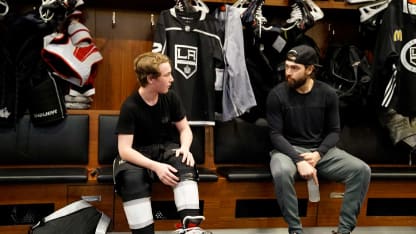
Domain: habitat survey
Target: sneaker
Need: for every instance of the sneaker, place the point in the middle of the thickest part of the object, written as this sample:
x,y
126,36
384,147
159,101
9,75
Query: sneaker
x,y
334,232
300,16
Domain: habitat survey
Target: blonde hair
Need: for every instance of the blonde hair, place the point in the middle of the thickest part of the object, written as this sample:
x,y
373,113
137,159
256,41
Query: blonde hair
x,y
147,64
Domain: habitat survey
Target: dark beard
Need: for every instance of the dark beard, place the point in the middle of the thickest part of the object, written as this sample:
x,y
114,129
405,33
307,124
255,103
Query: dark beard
x,y
296,83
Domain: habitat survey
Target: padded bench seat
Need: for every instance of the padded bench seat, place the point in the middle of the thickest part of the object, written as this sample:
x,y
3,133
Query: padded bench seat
x,y
55,153
242,151
245,173
393,173
43,175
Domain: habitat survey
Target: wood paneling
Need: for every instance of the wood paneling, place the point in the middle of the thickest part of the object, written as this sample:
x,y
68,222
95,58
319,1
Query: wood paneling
x,y
132,34
119,44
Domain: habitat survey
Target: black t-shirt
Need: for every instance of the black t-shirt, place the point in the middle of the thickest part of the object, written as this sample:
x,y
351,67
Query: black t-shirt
x,y
150,124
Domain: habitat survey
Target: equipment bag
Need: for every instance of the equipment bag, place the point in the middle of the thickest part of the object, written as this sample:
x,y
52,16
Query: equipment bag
x,y
75,218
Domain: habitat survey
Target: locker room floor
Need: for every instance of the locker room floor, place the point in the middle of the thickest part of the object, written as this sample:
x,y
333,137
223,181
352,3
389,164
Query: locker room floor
x,y
314,230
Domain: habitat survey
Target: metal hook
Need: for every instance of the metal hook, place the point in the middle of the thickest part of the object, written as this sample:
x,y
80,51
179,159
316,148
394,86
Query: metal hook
x,y
152,20
113,19
331,30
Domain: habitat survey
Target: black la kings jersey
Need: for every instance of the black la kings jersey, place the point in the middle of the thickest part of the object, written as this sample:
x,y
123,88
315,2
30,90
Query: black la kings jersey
x,y
395,57
192,43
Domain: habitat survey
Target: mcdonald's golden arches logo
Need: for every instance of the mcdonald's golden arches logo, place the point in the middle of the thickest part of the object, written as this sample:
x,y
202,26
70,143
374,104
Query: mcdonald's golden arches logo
x,y
397,35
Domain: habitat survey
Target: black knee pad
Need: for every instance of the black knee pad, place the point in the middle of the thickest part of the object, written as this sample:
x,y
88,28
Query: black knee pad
x,y
133,184
184,172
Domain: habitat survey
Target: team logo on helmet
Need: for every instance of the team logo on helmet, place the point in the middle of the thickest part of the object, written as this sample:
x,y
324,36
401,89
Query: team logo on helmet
x,y
186,60
408,56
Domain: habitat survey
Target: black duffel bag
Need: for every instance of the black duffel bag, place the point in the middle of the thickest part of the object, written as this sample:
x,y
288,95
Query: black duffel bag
x,y
79,217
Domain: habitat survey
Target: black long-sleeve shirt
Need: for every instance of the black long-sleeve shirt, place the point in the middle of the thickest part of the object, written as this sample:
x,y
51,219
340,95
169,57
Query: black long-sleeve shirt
x,y
308,120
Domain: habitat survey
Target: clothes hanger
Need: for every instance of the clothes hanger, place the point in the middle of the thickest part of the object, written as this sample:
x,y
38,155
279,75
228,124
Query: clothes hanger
x,y
184,6
250,12
241,5
200,6
368,11
4,7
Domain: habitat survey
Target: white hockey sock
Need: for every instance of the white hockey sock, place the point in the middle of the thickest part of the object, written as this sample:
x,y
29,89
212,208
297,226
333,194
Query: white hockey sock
x,y
138,213
186,195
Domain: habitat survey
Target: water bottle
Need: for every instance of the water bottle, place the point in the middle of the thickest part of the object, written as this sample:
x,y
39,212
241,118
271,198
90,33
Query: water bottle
x,y
313,191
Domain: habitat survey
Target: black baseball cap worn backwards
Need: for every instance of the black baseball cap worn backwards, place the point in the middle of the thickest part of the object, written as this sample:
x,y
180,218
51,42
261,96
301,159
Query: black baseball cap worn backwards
x,y
303,54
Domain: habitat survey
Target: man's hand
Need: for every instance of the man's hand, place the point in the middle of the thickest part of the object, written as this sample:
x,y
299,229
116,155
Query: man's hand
x,y
311,157
166,174
306,170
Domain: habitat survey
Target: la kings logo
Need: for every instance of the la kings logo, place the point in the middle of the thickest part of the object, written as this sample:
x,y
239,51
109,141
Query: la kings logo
x,y
408,56
186,60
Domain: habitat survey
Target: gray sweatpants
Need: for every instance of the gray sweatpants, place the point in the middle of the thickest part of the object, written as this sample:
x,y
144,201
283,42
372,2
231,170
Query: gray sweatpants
x,y
336,165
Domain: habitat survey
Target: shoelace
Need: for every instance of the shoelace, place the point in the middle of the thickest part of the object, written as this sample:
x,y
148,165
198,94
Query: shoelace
x,y
259,15
179,6
45,12
46,9
295,14
295,17
260,19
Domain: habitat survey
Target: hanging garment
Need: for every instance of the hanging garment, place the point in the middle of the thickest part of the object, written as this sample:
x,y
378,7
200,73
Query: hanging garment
x,y
21,65
74,57
395,58
46,103
191,41
237,96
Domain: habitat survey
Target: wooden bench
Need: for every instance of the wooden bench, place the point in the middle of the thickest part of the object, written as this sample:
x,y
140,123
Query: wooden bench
x,y
242,158
236,190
